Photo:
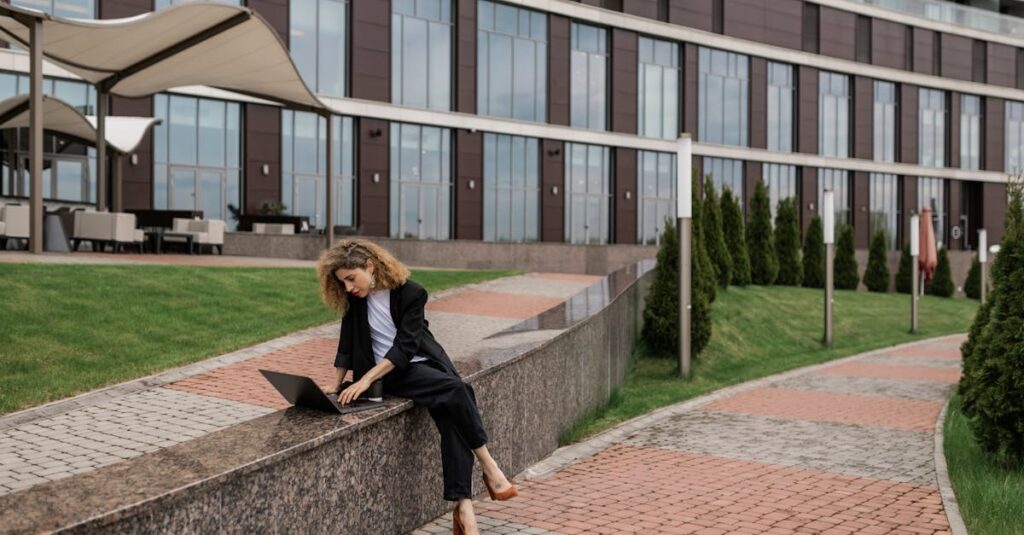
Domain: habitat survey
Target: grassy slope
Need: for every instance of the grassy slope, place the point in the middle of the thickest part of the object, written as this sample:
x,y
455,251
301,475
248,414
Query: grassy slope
x,y
66,329
759,331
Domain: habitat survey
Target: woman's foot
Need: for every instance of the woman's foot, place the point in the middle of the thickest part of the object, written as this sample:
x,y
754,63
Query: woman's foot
x,y
464,519
495,478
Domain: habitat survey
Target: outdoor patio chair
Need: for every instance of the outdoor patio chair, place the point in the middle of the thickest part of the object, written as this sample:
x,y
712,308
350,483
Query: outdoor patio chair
x,y
273,228
101,228
204,232
14,224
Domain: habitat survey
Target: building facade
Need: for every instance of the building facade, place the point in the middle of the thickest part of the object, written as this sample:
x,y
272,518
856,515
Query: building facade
x,y
892,110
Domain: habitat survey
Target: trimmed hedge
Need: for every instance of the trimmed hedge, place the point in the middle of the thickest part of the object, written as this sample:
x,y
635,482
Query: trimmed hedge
x,y
787,244
713,238
760,240
876,276
972,286
814,255
942,280
734,230
846,274
905,275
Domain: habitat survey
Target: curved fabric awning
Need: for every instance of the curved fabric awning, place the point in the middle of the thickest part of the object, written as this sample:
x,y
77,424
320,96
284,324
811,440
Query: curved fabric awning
x,y
218,45
123,133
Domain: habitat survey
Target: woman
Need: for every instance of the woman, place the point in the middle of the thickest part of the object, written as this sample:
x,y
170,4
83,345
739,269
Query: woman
x,y
384,335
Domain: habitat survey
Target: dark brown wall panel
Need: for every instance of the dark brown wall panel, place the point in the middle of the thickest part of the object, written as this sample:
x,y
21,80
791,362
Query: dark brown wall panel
x,y
262,146
957,56
276,13
624,209
753,172
641,8
888,44
954,129
558,70
371,50
1001,68
775,22
465,57
953,202
692,13
624,85
469,185
690,90
995,134
863,117
808,197
552,204
993,212
908,123
758,103
809,27
861,203
137,180
807,110
838,33
924,51
116,9
373,160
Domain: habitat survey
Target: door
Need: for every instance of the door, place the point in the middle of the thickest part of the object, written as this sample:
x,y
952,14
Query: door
x,y
183,189
211,195
970,213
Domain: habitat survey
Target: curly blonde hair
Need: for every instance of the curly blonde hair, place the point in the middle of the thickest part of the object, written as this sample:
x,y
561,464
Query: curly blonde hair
x,y
351,254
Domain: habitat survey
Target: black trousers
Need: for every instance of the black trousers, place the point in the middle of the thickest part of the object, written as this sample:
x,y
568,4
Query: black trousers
x,y
452,405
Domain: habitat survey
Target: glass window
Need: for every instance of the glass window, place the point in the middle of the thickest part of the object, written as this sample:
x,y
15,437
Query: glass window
x,y
421,182
1015,137
587,194
723,89
197,155
970,132
833,114
885,122
657,185
781,183
885,207
421,53
658,88
317,43
725,173
838,181
76,9
511,62
304,167
780,107
511,188
589,64
932,132
69,167
931,192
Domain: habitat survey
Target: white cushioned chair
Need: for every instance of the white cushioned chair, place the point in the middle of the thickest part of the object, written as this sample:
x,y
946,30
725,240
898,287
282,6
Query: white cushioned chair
x,y
14,223
204,232
273,228
101,228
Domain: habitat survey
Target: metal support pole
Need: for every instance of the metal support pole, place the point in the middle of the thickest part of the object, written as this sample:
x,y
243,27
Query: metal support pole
x,y
330,184
116,182
830,260
983,261
915,271
685,226
35,135
101,151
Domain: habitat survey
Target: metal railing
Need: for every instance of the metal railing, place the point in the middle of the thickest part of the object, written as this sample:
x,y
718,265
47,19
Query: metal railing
x,y
948,12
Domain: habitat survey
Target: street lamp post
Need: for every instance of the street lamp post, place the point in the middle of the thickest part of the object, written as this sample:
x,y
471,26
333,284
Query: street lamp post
x,y
915,251
684,221
829,222
983,259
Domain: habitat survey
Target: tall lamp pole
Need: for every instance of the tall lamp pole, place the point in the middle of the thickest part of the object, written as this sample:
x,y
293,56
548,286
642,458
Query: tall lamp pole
x,y
684,222
983,259
829,222
915,251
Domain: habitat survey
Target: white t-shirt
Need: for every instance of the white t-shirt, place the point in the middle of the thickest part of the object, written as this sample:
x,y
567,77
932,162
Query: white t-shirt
x,y
382,327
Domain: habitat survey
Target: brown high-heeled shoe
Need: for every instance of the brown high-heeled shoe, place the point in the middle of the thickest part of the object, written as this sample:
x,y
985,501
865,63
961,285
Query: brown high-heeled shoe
x,y
507,494
457,528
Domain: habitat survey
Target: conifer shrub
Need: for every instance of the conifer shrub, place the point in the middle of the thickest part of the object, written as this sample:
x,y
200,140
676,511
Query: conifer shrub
x,y
904,275
814,255
708,284
714,239
876,276
972,286
735,240
787,244
760,240
942,280
846,274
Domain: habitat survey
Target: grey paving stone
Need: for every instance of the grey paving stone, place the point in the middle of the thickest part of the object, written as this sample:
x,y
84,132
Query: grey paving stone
x,y
486,524
911,361
928,390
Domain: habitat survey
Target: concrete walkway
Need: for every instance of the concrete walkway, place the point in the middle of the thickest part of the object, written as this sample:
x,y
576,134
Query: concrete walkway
x,y
75,436
846,447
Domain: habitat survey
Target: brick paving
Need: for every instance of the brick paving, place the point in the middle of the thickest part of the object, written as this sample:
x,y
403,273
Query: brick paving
x,y
843,448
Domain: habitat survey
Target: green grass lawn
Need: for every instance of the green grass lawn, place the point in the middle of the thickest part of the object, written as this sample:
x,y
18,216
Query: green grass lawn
x,y
759,331
67,329
990,495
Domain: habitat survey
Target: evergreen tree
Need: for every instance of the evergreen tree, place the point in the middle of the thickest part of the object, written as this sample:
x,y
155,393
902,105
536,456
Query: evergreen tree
x,y
905,275
814,255
733,228
714,240
942,280
846,274
706,281
787,244
995,368
661,314
760,241
876,276
972,286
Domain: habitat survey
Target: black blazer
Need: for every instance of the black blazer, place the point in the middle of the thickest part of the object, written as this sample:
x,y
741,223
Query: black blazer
x,y
355,351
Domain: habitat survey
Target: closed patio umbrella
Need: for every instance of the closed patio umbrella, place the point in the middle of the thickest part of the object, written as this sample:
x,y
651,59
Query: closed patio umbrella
x,y
929,255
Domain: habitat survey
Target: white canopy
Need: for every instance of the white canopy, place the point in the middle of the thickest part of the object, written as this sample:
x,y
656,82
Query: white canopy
x,y
123,133
212,44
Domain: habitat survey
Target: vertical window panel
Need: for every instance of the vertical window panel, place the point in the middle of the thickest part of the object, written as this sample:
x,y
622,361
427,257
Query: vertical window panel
x,y
421,185
780,107
723,99
656,174
587,194
780,181
884,211
658,74
511,62
833,114
884,138
838,181
931,192
317,37
932,127
1015,137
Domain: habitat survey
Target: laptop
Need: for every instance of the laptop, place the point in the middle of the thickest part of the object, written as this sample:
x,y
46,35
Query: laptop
x,y
302,391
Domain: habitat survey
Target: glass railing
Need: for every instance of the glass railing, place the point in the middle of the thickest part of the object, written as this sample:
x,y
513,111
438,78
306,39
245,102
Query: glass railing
x,y
970,17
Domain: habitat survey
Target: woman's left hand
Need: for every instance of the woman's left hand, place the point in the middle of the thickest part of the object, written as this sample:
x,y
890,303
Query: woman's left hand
x,y
351,393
